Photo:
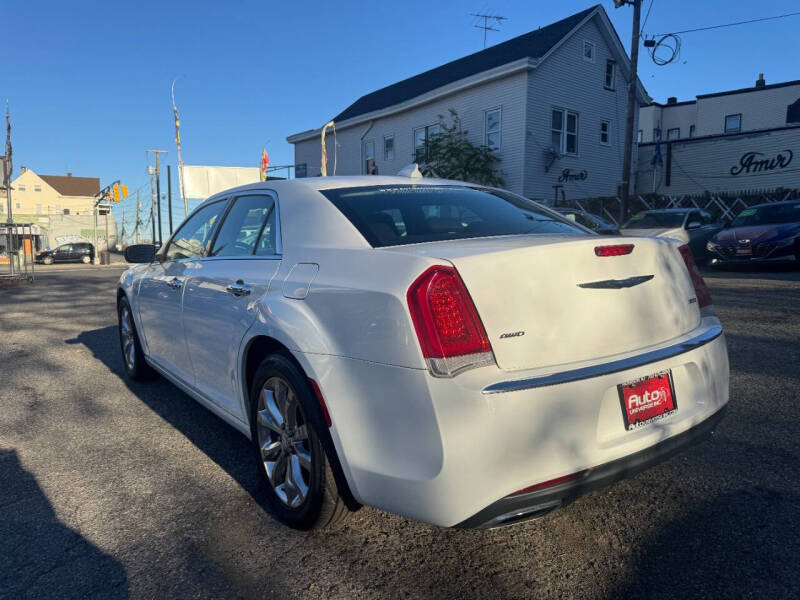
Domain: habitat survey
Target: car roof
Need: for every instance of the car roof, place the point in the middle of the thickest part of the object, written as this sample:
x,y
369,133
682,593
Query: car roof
x,y
668,210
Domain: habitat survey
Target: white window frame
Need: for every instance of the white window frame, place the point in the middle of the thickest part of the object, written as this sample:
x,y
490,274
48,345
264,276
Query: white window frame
x,y
669,133
564,114
37,188
386,158
725,123
21,187
692,129
613,85
364,154
639,136
607,123
486,132
583,51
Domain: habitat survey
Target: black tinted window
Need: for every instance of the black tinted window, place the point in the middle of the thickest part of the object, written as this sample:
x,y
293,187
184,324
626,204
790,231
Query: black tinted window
x,y
768,215
407,214
191,239
243,225
655,220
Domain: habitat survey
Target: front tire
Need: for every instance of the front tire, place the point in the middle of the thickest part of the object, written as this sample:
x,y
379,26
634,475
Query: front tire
x,y
301,490
132,356
48,260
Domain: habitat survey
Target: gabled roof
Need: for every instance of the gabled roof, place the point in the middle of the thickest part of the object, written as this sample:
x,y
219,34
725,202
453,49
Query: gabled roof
x,y
534,44
73,186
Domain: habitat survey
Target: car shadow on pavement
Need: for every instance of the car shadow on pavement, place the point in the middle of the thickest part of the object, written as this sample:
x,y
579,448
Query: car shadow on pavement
x,y
756,529
220,442
38,553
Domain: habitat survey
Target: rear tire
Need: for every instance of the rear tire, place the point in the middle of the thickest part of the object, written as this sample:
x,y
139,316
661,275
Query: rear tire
x,y
132,356
300,487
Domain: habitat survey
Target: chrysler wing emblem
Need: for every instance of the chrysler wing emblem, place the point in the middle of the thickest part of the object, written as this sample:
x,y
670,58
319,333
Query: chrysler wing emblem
x,y
616,284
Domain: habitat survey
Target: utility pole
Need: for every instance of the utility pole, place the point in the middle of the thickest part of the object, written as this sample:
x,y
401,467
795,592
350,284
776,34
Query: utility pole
x,y
152,171
158,194
169,197
498,21
138,219
629,120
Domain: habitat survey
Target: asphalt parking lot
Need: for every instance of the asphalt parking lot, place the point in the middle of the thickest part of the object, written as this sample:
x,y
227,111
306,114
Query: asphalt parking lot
x,y
113,489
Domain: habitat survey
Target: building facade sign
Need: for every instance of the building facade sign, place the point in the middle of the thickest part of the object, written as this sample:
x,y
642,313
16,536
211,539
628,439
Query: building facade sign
x,y
754,162
568,175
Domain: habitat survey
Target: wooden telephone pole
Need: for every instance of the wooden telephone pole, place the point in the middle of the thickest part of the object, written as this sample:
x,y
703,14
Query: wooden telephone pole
x,y
633,79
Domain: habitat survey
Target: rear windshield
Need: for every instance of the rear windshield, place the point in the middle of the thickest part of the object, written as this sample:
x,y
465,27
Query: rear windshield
x,y
768,215
655,221
406,214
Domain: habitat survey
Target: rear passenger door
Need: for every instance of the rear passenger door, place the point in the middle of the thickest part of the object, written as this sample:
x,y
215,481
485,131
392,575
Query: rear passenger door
x,y
222,289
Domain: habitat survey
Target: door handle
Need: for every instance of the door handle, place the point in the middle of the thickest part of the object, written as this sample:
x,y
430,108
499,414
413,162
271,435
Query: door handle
x,y
239,288
175,283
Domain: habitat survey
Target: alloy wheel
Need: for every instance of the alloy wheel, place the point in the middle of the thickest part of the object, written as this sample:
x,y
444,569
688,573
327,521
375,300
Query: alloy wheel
x,y
127,337
283,441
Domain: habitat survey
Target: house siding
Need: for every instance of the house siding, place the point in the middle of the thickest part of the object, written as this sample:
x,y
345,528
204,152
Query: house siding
x,y
507,93
760,109
704,165
566,80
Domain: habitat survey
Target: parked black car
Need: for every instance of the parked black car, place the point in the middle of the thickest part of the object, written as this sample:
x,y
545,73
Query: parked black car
x,y
594,222
761,233
77,252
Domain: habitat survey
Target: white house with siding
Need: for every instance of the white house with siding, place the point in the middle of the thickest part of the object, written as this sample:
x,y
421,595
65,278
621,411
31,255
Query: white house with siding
x,y
551,103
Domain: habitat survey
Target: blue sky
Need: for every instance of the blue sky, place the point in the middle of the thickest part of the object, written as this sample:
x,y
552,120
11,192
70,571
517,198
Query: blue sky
x,y
89,82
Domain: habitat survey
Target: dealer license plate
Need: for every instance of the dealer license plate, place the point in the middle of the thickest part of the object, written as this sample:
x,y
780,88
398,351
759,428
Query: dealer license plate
x,y
647,399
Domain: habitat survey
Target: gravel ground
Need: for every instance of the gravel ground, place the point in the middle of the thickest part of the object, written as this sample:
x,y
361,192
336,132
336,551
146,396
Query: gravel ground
x,y
115,489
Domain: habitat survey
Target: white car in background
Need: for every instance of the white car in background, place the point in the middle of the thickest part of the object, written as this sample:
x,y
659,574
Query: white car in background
x,y
445,351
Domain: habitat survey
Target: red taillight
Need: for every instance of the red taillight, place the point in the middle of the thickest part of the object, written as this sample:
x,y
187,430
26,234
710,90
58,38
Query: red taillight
x,y
446,322
613,250
550,483
700,288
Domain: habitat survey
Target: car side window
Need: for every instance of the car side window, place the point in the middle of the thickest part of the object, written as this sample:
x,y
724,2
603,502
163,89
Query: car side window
x,y
64,248
242,227
191,239
268,240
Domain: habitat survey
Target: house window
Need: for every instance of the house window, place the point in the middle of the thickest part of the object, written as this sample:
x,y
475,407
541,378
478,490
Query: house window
x,y
422,141
18,206
21,187
564,131
66,211
605,133
492,119
611,74
369,157
388,147
639,136
733,123
691,130
588,51
37,188
674,133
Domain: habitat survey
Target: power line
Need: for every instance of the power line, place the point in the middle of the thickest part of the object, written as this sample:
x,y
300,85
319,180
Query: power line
x,y
792,14
649,8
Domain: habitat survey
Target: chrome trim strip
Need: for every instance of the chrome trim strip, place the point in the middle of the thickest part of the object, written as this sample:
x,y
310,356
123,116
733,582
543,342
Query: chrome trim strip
x,y
616,284
614,366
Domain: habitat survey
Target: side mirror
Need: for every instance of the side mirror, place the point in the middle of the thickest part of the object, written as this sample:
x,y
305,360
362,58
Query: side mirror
x,y
140,253
694,225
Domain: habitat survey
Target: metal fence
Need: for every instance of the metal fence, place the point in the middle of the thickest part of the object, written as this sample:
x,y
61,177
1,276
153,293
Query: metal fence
x,y
17,250
725,206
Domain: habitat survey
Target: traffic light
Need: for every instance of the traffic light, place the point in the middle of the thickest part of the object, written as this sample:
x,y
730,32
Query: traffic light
x,y
124,191
116,193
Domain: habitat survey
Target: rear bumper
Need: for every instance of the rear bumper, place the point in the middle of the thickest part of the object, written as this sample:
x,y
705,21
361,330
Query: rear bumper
x,y
443,450
515,509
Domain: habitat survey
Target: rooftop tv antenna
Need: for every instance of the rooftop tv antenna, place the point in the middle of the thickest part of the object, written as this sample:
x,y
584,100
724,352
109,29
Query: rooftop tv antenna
x,y
497,20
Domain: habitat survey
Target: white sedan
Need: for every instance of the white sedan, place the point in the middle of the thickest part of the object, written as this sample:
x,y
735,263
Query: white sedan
x,y
445,351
